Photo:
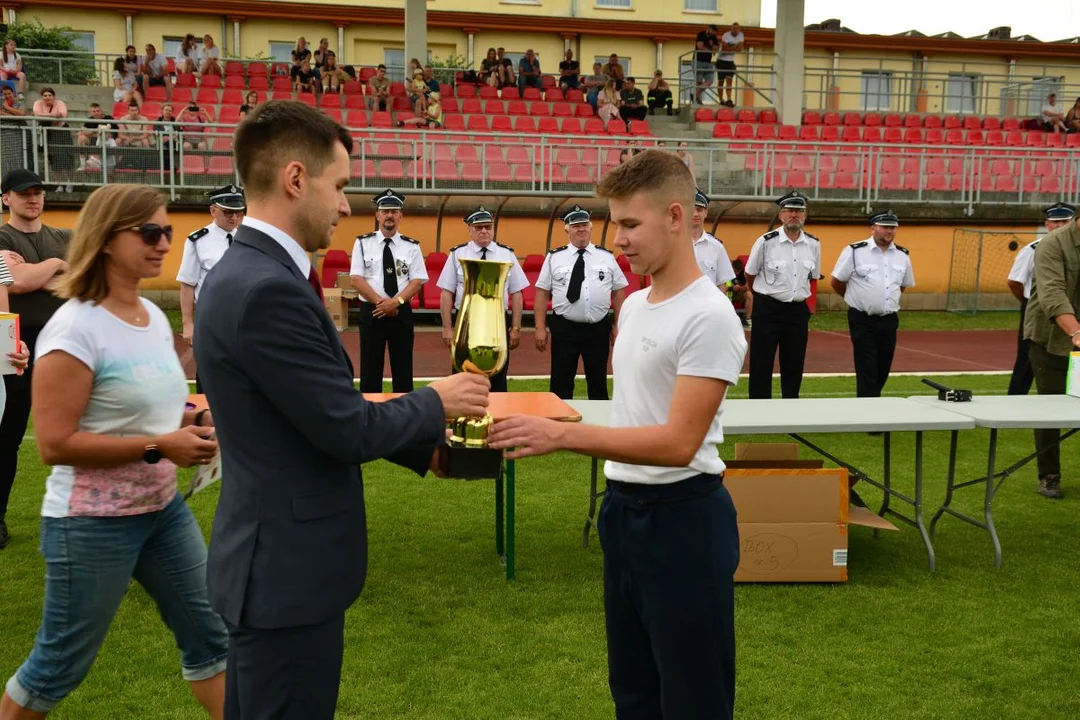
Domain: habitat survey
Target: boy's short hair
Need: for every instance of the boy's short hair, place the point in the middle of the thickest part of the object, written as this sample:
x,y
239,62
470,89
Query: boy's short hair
x,y
659,174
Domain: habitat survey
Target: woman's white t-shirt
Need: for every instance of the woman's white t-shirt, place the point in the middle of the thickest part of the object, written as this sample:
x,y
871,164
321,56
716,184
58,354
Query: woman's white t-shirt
x,y
12,63
139,390
695,333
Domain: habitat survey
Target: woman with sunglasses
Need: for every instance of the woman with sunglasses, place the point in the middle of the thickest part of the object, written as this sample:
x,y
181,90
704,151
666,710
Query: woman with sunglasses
x,y
110,415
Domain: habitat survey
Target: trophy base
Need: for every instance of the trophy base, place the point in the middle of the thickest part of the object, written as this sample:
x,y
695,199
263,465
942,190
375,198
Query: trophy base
x,y
471,463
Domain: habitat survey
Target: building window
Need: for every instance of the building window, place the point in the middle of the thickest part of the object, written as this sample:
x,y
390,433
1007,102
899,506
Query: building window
x,y
1038,92
83,40
613,3
171,46
876,90
282,51
624,61
961,91
700,5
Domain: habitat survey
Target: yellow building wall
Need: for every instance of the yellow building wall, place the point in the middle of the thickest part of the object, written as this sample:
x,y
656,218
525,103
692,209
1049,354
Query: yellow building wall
x,y
155,27
108,26
256,35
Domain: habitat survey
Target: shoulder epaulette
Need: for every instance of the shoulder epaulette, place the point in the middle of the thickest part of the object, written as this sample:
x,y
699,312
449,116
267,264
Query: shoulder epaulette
x,y
770,235
607,250
810,236
552,251
901,248
1035,244
503,246
862,244
458,247
365,236
198,234
406,238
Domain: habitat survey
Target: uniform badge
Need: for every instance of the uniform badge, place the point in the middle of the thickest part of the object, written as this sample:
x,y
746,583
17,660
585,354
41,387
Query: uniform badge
x,y
601,276
402,268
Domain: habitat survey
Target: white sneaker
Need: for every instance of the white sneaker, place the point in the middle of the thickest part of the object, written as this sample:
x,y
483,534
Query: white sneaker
x,y
69,188
82,165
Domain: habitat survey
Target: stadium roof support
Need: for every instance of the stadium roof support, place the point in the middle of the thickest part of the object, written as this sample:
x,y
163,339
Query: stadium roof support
x,y
790,38
415,31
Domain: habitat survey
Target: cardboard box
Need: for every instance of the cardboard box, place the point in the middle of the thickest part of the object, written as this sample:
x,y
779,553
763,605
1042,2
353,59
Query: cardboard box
x,y
770,455
9,341
1072,382
337,306
343,281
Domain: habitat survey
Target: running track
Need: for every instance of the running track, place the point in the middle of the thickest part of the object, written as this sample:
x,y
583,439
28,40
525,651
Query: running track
x,y
829,352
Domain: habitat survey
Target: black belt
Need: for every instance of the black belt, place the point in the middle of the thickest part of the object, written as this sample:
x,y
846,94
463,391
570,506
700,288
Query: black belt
x,y
770,298
562,318
866,314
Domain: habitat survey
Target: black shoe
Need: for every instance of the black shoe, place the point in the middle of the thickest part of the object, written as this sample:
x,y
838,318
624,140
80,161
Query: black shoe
x,y
652,111
4,535
669,111
1050,487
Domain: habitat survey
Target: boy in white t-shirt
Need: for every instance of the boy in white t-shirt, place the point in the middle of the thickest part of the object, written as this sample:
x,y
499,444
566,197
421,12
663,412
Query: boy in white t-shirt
x,y
667,524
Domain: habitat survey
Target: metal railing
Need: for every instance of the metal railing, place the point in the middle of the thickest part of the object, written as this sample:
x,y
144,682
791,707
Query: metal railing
x,y
177,158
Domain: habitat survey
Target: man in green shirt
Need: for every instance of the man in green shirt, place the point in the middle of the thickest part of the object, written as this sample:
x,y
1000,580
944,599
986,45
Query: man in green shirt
x,y
42,250
1052,328
633,103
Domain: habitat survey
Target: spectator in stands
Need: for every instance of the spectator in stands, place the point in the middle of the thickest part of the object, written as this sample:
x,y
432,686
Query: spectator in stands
x,y
430,80
250,101
379,90
659,93
332,76
506,69
154,69
49,106
608,102
707,43
614,70
629,151
418,91
594,85
305,81
319,58
209,57
731,43
96,132
414,66
166,133
569,72
134,129
633,103
688,160
300,53
11,67
1072,118
489,69
187,57
529,71
12,104
191,120
1053,119
131,64
125,89
432,116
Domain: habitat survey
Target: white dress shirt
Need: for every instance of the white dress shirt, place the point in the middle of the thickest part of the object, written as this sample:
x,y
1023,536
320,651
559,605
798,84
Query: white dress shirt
x,y
367,260
602,277
452,277
202,250
874,276
282,238
782,268
713,259
1023,267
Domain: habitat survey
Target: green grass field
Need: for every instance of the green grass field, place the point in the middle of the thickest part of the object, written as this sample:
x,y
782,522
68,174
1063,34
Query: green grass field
x,y
438,632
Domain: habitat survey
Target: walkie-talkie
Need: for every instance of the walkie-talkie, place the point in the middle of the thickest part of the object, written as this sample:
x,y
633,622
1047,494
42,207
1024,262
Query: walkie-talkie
x,y
948,394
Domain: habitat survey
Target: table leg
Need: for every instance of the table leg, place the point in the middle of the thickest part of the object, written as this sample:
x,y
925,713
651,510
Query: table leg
x,y
510,520
988,515
886,478
499,514
949,486
919,523
590,520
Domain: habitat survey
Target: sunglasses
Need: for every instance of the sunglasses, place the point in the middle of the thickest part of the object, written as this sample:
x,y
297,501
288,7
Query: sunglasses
x,y
151,232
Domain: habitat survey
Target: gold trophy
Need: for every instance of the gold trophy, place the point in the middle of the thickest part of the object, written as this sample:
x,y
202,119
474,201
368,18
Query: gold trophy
x,y
479,347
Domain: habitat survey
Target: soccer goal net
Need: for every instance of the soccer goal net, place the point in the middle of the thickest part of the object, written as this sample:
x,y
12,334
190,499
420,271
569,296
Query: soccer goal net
x,y
981,260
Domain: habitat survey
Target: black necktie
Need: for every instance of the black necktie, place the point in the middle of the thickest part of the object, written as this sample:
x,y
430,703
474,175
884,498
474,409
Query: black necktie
x,y
228,238
483,253
577,276
390,281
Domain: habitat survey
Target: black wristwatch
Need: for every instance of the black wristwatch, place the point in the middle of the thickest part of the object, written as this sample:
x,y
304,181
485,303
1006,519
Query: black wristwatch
x,y
151,455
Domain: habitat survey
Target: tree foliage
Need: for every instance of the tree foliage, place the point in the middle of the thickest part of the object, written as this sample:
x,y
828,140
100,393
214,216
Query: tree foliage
x,y
70,70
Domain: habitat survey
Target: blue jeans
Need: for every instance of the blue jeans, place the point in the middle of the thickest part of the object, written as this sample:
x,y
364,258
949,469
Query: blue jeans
x,y
89,563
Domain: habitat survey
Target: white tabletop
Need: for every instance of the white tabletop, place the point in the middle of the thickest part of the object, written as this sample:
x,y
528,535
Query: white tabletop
x,y
814,415
1014,411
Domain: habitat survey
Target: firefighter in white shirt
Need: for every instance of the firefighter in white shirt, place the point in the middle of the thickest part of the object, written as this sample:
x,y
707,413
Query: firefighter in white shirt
x,y
482,246
584,283
781,265
872,275
1019,281
709,250
387,270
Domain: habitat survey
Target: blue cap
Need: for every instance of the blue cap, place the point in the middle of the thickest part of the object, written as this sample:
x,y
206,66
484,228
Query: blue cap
x,y
1060,211
389,200
885,219
229,197
794,200
480,216
700,199
576,216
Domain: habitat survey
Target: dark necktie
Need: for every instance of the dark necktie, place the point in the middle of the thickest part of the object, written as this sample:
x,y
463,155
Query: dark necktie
x,y
483,253
577,276
313,279
228,238
389,271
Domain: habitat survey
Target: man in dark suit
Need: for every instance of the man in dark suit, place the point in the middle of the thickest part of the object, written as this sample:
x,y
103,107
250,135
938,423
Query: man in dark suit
x,y
288,552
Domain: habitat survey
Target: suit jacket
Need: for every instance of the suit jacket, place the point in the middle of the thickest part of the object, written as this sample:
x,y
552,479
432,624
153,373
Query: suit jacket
x,y
289,541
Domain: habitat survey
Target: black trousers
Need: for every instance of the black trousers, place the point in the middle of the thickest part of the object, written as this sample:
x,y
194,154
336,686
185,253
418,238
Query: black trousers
x,y
284,674
778,325
633,113
16,416
873,338
670,552
498,380
1022,375
1051,376
572,340
376,334
659,99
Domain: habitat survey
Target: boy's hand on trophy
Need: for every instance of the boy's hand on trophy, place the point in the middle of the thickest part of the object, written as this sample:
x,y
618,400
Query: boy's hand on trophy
x,y
527,435
463,394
